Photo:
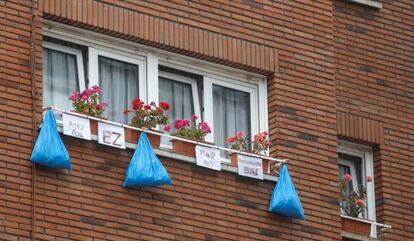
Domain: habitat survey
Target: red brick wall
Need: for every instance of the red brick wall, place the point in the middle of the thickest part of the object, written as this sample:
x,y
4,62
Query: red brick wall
x,y
374,76
293,43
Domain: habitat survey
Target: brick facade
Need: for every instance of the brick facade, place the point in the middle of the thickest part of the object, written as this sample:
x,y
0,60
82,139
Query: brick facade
x,y
336,70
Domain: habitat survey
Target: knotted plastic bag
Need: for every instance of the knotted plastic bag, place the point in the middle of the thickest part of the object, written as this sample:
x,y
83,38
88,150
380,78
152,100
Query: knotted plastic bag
x,y
49,149
145,169
285,199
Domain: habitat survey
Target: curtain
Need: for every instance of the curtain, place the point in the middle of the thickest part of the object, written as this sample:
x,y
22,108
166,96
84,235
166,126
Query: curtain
x,y
231,113
179,95
119,83
60,78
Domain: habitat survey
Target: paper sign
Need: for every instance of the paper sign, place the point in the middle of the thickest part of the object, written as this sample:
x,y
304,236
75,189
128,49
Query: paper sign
x,y
76,126
111,135
208,157
250,167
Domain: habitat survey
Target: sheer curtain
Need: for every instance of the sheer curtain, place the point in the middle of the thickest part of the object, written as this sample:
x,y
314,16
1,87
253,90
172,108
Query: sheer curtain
x,y
180,96
119,82
60,78
231,113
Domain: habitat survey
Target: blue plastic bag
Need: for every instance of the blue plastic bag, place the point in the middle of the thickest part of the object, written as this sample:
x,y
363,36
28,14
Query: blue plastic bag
x,y
285,199
145,169
49,149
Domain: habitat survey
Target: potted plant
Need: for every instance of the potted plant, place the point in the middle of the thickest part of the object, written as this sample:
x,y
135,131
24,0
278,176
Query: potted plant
x,y
260,145
88,103
189,130
352,205
147,117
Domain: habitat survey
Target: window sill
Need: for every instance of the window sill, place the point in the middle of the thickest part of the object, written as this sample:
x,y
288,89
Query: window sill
x,y
352,236
168,153
369,3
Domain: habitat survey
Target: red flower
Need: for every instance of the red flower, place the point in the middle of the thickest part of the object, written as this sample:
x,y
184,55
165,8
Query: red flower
x,y
348,177
147,107
369,178
126,111
231,139
180,123
259,137
239,134
165,105
137,103
360,202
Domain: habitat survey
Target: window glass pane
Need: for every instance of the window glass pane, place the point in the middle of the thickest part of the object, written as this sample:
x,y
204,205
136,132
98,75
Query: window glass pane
x,y
231,113
119,82
179,95
60,78
357,161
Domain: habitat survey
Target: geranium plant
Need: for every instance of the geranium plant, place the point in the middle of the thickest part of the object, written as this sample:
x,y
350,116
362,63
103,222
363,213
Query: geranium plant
x,y
238,141
261,143
148,115
88,102
190,129
352,202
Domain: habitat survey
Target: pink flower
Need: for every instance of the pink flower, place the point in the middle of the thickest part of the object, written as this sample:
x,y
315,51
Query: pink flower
x,y
348,177
259,137
204,126
87,92
231,139
181,123
96,89
265,133
167,128
360,202
369,178
194,117
85,97
99,106
75,95
239,134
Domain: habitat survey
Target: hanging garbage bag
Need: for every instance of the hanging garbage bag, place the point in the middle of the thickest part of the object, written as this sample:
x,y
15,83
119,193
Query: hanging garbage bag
x,y
49,149
285,199
145,169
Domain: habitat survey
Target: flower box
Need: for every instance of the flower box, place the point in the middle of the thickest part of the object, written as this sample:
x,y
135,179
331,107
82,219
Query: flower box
x,y
185,148
132,136
266,163
356,226
92,122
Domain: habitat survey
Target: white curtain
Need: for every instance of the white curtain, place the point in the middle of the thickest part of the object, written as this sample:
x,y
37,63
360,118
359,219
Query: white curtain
x,y
231,113
119,82
60,78
180,97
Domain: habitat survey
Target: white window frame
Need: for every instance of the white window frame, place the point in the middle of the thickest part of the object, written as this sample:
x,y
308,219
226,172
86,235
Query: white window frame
x,y
194,90
94,54
78,56
367,166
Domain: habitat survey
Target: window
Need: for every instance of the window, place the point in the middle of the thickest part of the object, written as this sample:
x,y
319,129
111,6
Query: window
x,y
357,160
120,77
227,99
62,74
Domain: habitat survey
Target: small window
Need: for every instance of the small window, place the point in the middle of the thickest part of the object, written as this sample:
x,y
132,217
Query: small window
x,y
357,160
231,113
62,74
119,76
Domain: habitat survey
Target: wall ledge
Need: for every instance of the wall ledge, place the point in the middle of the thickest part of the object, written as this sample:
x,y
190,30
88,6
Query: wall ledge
x,y
371,3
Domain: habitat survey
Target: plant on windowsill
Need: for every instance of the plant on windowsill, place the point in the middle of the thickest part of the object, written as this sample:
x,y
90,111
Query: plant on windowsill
x,y
352,205
189,130
147,117
88,103
260,145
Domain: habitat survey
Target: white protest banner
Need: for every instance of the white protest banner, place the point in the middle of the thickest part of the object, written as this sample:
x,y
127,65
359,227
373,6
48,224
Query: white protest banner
x,y
208,157
250,166
76,126
111,135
